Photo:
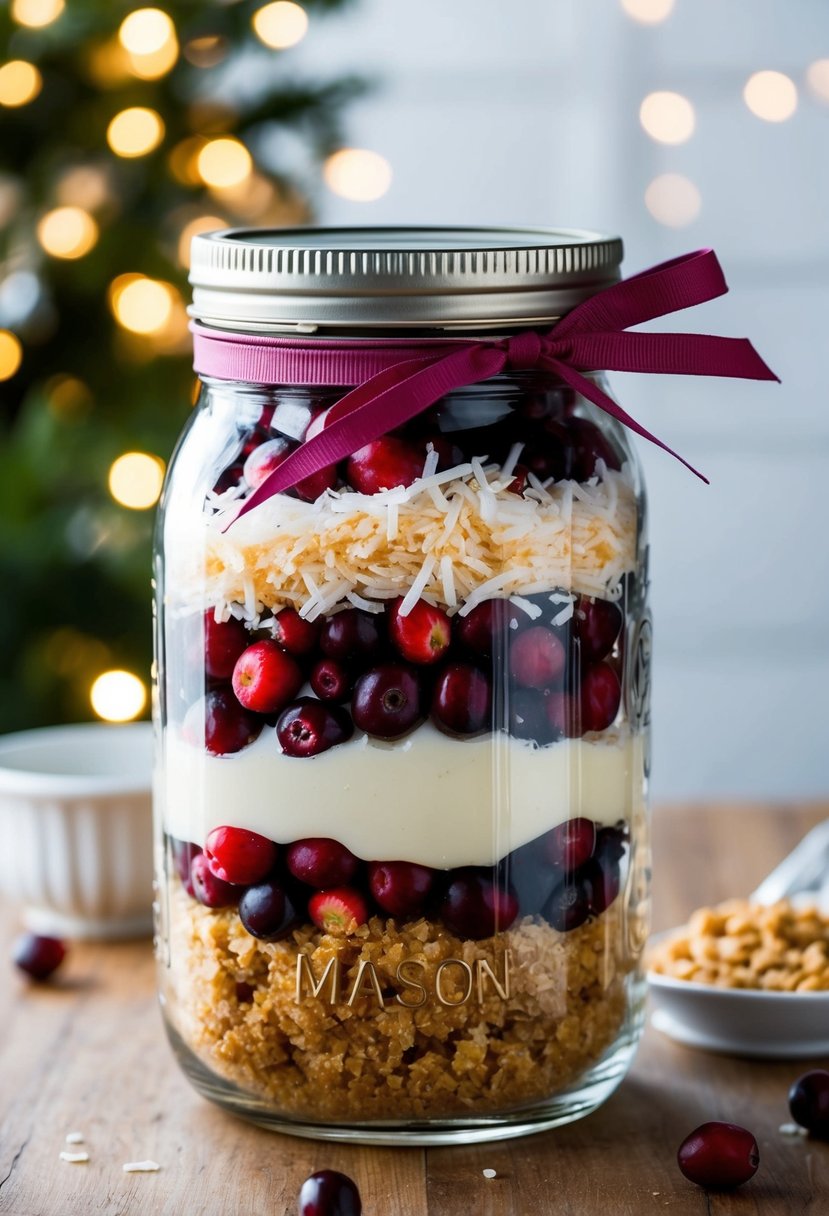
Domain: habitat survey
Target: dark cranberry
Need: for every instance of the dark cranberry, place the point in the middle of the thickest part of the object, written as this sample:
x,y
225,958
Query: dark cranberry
x,y
530,874
183,852
387,700
528,716
569,905
383,464
209,890
218,722
571,844
331,681
401,888
449,454
265,679
486,629
423,635
809,1102
519,480
320,862
596,625
537,658
224,641
38,956
587,445
239,856
307,727
265,417
229,479
602,881
476,906
462,700
294,634
719,1155
563,714
338,911
351,636
266,911
610,844
601,694
329,1193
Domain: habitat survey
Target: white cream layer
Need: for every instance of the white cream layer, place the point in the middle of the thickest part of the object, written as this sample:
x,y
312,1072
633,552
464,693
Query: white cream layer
x,y
438,801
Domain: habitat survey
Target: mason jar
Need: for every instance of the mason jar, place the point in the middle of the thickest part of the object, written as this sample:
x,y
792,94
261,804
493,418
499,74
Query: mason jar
x,y
402,703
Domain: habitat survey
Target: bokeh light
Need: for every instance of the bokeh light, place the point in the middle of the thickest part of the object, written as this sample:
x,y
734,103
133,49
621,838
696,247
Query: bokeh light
x,y
667,117
648,12
357,174
86,186
281,24
207,51
118,696
673,200
141,305
148,35
817,76
67,398
20,83
771,96
37,13
224,162
135,480
202,223
11,354
135,131
67,232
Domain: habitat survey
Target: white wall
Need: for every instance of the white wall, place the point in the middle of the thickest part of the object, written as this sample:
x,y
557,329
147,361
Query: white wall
x,y
527,113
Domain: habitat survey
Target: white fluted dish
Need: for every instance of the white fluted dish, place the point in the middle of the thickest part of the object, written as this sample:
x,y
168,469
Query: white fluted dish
x,y
76,841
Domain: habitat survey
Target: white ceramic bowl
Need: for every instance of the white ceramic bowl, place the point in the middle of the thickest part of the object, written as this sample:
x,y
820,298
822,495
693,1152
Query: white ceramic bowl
x,y
76,841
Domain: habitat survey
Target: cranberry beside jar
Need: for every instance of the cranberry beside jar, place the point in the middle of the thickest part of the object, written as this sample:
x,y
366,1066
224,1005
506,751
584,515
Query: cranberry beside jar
x,y
402,706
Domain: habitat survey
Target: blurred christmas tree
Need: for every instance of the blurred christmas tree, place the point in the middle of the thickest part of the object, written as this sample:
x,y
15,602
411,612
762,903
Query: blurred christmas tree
x,y
122,132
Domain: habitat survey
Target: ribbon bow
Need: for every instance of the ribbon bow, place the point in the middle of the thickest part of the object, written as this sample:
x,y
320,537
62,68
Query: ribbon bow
x,y
591,336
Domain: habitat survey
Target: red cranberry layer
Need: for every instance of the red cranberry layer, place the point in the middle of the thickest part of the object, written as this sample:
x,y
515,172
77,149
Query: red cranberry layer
x,y
239,856
384,464
528,716
563,715
209,890
719,1155
320,862
596,625
39,957
537,658
293,634
387,701
462,700
265,679
266,458
809,1102
351,636
475,906
602,880
224,641
183,852
401,888
569,905
308,727
218,722
339,911
571,844
329,1193
423,636
601,694
331,681
267,912
487,627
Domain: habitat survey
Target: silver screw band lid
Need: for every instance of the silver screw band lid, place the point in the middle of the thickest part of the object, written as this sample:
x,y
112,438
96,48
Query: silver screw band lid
x,y
304,279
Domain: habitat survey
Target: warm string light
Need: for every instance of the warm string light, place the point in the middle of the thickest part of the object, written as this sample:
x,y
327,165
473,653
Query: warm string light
x,y
86,186
149,38
667,117
36,13
67,232
357,174
202,223
817,78
771,96
11,354
135,480
135,132
281,24
142,305
118,696
673,200
224,162
20,83
648,12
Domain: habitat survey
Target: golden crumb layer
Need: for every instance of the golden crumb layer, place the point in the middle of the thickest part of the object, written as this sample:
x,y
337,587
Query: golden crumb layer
x,y
448,1038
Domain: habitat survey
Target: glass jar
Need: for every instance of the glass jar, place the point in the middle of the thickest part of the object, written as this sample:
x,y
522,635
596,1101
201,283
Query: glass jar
x,y
402,709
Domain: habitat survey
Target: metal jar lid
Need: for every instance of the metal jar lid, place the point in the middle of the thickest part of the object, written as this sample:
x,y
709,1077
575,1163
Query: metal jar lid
x,y
305,279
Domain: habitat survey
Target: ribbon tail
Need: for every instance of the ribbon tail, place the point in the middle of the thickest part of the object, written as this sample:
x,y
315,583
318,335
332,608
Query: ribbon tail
x,y
589,389
664,353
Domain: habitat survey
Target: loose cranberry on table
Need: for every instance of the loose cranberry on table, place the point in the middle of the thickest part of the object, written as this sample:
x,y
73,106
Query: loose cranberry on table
x,y
267,912
209,890
601,694
596,624
239,856
462,700
329,1193
719,1155
401,888
571,844
320,862
331,680
265,679
338,911
423,635
224,641
294,634
809,1102
39,957
537,658
308,727
219,723
387,701
384,464
475,905
352,636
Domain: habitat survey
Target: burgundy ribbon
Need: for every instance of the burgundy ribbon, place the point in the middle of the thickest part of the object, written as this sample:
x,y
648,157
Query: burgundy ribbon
x,y
591,336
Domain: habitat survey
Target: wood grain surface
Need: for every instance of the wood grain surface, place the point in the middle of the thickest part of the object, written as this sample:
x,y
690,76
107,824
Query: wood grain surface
x,y
88,1054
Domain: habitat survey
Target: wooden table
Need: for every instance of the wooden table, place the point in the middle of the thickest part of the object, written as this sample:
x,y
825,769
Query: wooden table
x,y
88,1054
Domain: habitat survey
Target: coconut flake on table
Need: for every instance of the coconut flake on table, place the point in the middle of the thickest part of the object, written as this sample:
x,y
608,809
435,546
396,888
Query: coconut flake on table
x,y
489,1173
75,1138
74,1158
140,1167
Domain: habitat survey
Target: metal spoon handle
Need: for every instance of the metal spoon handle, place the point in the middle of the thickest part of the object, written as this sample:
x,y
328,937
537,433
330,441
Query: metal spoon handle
x,y
804,871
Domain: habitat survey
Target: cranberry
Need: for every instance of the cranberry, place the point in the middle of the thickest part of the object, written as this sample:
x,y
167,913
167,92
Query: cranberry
x,y
587,445
267,912
401,888
537,658
331,681
239,856
719,1155
209,890
307,727
476,906
462,700
449,454
387,700
264,459
183,852
601,694
229,479
338,911
224,641
320,862
530,874
602,881
610,844
38,956
218,721
596,625
265,679
563,715
519,481
568,906
571,844
383,464
328,1193
351,636
809,1102
486,628
423,635
294,634
528,716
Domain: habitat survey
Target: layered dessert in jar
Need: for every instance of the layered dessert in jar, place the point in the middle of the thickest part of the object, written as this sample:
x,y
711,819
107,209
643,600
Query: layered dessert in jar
x,y
403,758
